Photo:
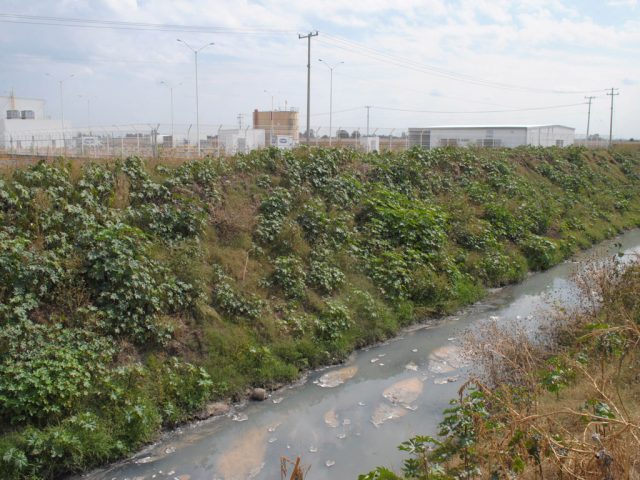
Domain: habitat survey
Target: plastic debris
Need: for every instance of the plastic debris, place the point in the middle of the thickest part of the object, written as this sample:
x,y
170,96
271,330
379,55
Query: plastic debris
x,y
329,463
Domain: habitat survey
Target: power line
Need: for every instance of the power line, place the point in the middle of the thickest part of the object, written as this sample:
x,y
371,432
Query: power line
x,y
409,110
382,56
122,25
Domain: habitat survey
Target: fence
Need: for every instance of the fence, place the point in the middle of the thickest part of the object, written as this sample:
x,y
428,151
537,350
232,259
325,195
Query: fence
x,y
179,141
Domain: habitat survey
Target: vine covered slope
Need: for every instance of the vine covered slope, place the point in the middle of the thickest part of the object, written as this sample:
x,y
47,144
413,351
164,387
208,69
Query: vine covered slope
x,y
133,294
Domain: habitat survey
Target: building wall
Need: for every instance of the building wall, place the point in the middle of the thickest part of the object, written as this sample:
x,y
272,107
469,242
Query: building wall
x,y
549,136
19,133
283,122
35,104
244,140
480,137
546,136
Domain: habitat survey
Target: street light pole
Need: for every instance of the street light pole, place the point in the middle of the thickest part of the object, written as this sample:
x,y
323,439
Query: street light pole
x,y
330,67
271,119
195,53
60,82
166,84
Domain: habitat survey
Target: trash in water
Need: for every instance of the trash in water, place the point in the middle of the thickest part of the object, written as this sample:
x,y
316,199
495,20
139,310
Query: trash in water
x,y
362,404
240,417
313,449
386,412
411,366
414,350
277,400
381,355
381,364
273,427
272,439
494,318
413,408
331,419
374,360
169,450
145,460
329,463
337,377
341,435
439,381
404,391
346,421
451,339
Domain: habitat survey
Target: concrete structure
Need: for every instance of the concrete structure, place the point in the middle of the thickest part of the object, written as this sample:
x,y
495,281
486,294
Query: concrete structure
x,y
492,136
370,143
277,123
243,140
23,125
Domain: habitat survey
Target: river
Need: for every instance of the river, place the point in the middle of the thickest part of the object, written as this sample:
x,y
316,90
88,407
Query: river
x,y
348,419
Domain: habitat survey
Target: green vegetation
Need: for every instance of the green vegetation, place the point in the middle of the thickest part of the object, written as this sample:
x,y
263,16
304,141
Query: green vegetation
x,y
561,406
132,295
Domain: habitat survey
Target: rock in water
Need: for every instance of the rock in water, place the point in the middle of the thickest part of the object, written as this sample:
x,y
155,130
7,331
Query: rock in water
x,y
259,394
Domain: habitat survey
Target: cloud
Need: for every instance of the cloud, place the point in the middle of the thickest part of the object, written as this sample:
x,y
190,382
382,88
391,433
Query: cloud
x,y
550,44
622,3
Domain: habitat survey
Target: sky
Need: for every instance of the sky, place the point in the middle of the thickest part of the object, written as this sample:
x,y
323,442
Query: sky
x,y
415,62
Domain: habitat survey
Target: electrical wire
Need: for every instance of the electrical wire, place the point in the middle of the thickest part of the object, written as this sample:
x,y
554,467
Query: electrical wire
x,y
385,57
409,110
122,25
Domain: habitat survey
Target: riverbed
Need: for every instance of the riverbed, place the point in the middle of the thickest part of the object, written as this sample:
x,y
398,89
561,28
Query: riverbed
x,y
346,420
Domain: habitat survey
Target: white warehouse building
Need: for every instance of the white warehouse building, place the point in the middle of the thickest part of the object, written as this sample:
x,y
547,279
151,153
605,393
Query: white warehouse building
x,y
23,125
243,140
492,136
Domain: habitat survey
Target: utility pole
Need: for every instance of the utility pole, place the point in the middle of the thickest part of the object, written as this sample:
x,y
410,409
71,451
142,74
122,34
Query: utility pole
x,y
330,67
60,82
240,115
195,52
612,94
308,36
166,84
368,107
590,99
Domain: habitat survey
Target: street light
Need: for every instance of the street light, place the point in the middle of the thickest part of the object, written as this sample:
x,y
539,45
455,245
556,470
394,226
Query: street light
x,y
330,67
195,53
166,84
271,128
88,109
60,82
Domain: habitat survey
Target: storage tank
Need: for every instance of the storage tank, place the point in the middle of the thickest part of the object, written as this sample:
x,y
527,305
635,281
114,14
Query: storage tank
x,y
28,115
13,114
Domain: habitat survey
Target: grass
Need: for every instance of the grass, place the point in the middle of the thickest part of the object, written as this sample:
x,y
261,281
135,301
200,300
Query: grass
x,y
215,276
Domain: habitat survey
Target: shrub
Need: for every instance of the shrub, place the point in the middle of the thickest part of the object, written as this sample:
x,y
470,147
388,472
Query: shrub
x,y
290,276
46,373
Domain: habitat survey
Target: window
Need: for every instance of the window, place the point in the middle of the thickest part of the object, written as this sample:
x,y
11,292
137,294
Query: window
x,y
559,143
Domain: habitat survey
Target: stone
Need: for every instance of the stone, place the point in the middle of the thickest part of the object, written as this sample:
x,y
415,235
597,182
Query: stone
x,y
213,410
259,394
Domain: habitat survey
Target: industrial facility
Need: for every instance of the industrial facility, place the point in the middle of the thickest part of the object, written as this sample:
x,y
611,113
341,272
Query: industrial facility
x,y
24,125
492,136
241,140
280,126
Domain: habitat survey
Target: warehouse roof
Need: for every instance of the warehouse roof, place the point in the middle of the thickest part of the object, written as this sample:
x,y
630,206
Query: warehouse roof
x,y
491,126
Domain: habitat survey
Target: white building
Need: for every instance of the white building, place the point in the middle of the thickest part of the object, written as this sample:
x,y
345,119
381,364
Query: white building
x,y
492,136
370,143
241,140
23,126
